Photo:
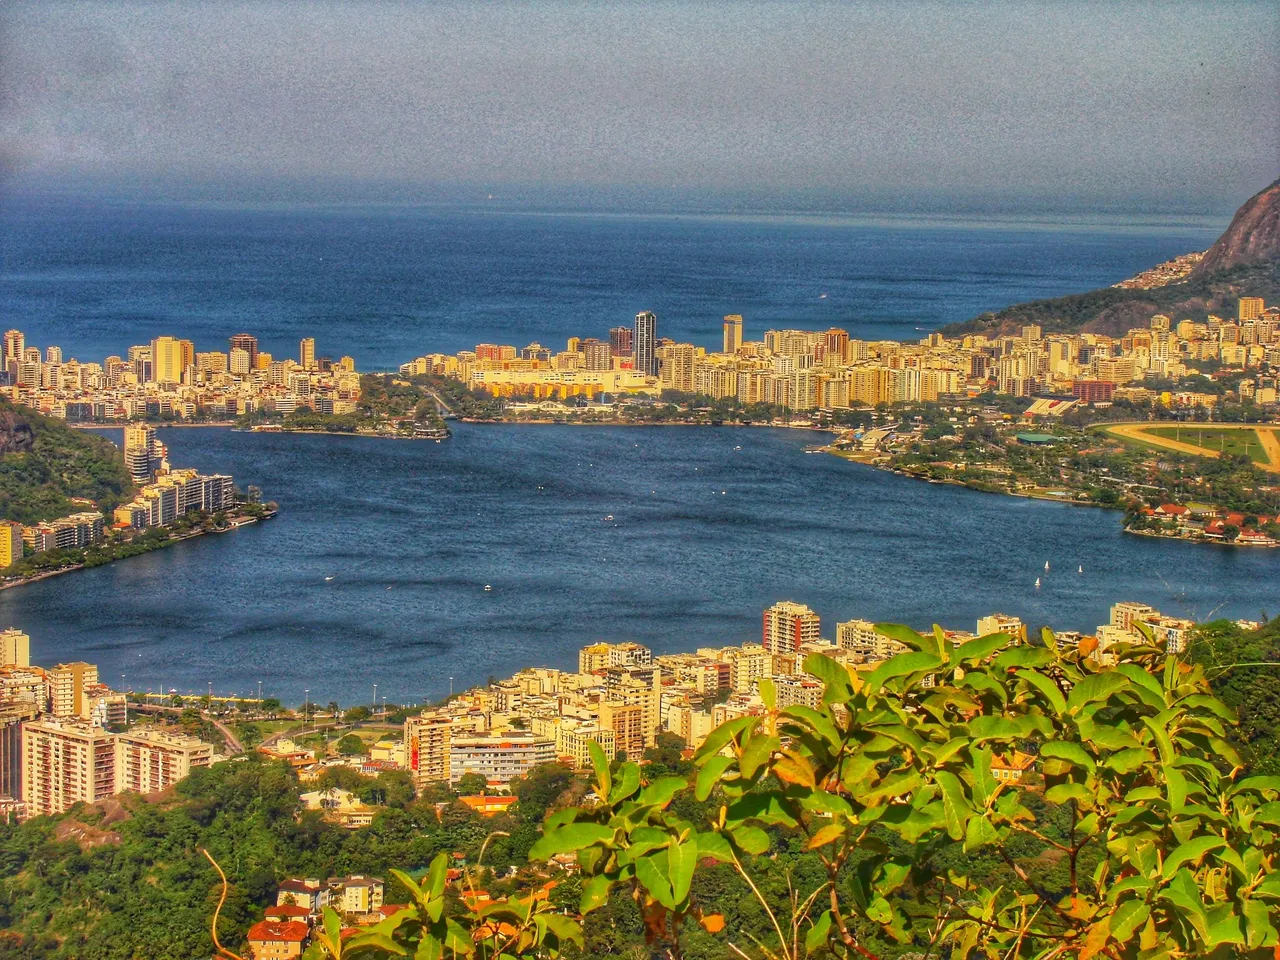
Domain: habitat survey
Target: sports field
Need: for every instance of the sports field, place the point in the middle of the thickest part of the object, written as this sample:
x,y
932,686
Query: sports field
x,y
1259,443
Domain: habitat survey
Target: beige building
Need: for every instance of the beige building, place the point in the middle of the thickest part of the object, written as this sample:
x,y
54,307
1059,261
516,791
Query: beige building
x,y
148,761
64,763
787,625
859,637
15,648
67,684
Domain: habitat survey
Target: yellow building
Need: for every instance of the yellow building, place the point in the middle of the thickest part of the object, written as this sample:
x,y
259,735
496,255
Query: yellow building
x,y
307,353
166,360
1251,308
732,333
10,543
66,684
15,649
148,761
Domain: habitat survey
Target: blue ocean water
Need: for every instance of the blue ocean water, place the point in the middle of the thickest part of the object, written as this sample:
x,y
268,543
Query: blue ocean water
x,y
710,525
388,284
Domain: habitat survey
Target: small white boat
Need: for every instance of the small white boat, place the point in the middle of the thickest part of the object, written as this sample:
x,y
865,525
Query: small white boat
x,y
1037,583
1046,566
737,448
327,579
487,588
1079,569
609,516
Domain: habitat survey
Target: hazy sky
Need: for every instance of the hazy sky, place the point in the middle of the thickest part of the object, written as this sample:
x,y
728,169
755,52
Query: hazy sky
x,y
1112,100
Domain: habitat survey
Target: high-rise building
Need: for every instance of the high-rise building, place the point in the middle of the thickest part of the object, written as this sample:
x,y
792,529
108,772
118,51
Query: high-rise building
x,y
620,341
141,451
787,625
1250,308
52,354
15,648
65,763
860,637
249,344
676,365
10,543
645,343
732,333
240,361
596,354
307,353
15,345
151,760
13,714
167,360
67,684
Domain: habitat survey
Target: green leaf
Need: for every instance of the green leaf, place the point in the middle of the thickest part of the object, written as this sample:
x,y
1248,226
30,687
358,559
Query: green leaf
x,y
1190,852
661,791
995,728
714,845
834,675
816,936
1100,686
710,775
767,806
904,664
1183,893
436,875
1143,681
1071,752
600,764
1046,688
569,839
816,721
375,941
1127,761
719,738
682,858
651,871
984,784
1224,925
1024,657
1069,791
768,692
909,638
756,754
751,839
1126,919
972,651
1259,784
979,832
1259,930
955,805
564,929
595,894
627,783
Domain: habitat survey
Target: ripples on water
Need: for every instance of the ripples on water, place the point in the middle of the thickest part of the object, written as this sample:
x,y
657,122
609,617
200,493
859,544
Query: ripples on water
x,y
411,533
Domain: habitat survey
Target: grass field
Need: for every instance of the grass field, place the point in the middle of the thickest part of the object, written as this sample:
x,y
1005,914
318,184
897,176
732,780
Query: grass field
x,y
1234,442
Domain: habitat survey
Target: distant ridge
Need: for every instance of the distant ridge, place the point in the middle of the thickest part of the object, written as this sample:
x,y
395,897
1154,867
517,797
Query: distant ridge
x,y
1253,237
1244,261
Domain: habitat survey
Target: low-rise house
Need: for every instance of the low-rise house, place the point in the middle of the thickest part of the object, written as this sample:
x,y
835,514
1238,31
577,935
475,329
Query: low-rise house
x,y
356,895
278,940
308,893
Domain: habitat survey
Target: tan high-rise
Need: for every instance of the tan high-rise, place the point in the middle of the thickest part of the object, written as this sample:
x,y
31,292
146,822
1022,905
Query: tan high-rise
x,y
66,685
166,360
65,763
307,353
15,649
732,333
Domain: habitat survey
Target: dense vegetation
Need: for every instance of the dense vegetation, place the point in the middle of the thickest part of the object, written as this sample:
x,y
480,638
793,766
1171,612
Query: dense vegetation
x,y
871,826
38,484
1114,310
1243,667
388,406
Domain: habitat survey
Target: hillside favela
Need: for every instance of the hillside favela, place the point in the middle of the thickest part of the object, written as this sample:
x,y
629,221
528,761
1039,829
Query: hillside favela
x,y
492,482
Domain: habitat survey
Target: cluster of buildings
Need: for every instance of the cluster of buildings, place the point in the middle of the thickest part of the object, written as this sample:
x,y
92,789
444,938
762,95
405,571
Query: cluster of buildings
x,y
622,696
164,494
806,369
168,378
64,738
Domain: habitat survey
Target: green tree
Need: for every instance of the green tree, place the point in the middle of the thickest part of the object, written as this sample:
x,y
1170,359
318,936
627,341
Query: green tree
x,y
351,745
470,784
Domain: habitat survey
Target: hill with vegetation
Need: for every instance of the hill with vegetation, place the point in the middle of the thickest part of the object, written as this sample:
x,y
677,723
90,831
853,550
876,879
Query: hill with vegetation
x,y
44,464
1244,262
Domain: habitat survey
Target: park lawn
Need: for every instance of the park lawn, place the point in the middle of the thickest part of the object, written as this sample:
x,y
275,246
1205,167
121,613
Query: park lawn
x,y
1217,440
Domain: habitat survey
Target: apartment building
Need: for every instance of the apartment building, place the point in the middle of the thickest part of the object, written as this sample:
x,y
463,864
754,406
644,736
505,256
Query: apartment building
x,y
148,761
65,762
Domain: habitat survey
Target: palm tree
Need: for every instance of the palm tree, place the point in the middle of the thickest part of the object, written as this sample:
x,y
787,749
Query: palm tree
x,y
334,709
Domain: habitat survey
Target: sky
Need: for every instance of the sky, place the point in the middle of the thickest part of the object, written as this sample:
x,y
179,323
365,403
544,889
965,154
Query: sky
x,y
1116,104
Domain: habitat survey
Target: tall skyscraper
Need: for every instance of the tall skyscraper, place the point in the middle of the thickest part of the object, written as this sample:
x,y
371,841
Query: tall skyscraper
x,y
732,333
620,341
645,344
307,353
14,345
249,344
1251,308
140,451
166,360
52,354
787,625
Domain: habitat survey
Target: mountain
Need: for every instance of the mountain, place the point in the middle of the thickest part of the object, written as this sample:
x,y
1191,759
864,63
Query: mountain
x,y
1244,262
44,463
1253,237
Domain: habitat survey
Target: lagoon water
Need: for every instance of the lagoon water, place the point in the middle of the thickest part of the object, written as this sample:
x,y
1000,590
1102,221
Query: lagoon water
x,y
704,536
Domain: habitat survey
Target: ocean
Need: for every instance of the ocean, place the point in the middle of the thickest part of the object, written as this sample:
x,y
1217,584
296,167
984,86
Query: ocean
x,y
385,285
374,572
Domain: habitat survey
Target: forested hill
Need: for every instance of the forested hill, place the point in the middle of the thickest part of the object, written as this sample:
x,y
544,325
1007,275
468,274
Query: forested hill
x,y
1245,261
44,463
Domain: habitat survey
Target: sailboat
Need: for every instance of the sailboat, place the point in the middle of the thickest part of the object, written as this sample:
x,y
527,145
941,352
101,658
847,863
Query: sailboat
x,y
1037,583
1046,566
1080,569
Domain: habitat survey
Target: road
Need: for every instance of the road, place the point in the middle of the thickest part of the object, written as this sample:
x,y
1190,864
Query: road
x,y
234,746
1138,431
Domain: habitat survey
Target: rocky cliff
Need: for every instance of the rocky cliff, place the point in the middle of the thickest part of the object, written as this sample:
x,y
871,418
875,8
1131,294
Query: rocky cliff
x,y
1253,237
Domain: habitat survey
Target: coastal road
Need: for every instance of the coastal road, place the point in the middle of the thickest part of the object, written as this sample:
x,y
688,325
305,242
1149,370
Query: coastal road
x,y
1138,431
